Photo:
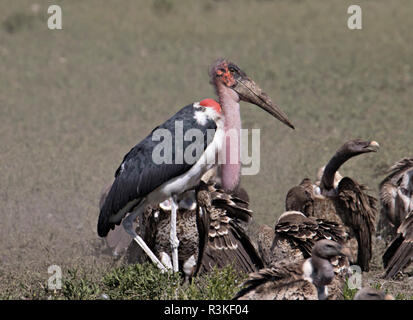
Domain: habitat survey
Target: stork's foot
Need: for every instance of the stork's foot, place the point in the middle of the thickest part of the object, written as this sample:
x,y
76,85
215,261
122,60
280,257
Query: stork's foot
x,y
189,268
149,252
166,260
128,226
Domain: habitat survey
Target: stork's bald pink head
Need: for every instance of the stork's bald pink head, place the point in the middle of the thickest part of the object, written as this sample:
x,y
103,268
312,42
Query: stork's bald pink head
x,y
223,72
226,75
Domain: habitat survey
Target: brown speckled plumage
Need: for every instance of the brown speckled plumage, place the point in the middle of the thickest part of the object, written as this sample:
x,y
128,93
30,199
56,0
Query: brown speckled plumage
x,y
223,240
157,233
286,280
281,282
186,230
265,239
296,234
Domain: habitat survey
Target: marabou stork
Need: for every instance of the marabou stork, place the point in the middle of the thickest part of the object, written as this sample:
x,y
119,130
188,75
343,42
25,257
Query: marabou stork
x,y
143,180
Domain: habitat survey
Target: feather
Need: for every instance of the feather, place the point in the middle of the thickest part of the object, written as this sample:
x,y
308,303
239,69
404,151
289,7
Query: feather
x,y
400,251
223,240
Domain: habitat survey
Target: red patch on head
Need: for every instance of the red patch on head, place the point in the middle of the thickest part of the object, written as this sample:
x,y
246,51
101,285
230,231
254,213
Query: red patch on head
x,y
228,79
211,103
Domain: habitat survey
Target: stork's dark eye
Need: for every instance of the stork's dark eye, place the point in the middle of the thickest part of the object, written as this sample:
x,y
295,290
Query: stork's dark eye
x,y
232,70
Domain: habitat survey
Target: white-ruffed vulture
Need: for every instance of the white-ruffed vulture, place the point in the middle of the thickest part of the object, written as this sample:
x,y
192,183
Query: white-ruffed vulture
x,y
345,201
307,280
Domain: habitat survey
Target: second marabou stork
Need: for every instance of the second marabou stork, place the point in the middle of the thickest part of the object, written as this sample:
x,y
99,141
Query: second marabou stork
x,y
143,180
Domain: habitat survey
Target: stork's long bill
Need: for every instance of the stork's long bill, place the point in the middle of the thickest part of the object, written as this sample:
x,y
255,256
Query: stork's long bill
x,y
231,76
249,91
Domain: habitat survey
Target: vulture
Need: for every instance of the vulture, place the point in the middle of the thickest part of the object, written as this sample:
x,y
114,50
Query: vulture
x,y
372,294
345,201
298,222
222,219
300,198
400,251
211,231
396,196
157,222
307,280
295,237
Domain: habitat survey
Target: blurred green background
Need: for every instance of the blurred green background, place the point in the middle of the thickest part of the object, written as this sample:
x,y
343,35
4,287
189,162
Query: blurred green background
x,y
74,101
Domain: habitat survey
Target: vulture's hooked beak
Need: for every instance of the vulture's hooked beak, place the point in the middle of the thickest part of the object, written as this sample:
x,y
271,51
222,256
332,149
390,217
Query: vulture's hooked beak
x,y
373,146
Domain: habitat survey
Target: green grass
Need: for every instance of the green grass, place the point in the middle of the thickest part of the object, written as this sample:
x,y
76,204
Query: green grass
x,y
74,101
348,294
138,281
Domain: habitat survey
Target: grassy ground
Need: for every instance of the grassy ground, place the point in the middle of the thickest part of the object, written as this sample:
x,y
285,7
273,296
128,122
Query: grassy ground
x,y
74,101
136,282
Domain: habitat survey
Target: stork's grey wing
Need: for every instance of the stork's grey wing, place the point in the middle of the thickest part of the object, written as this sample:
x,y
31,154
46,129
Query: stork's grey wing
x,y
141,171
